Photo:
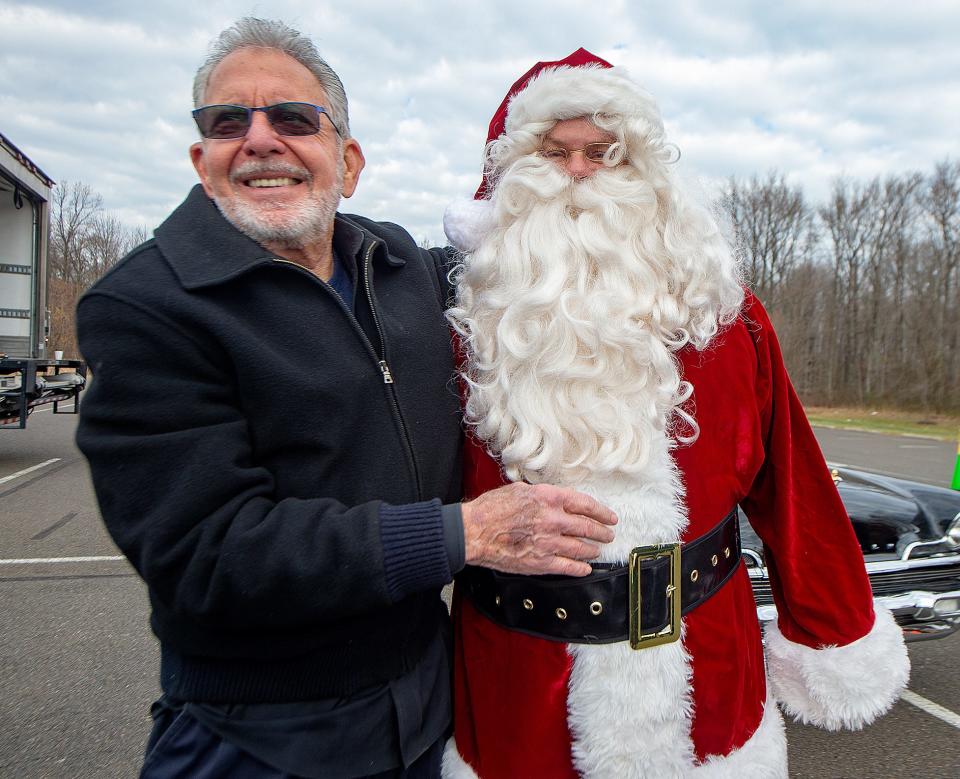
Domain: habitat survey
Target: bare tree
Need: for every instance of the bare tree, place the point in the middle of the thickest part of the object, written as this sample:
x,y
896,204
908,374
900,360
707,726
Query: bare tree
x,y
84,243
107,242
941,203
74,208
776,235
774,229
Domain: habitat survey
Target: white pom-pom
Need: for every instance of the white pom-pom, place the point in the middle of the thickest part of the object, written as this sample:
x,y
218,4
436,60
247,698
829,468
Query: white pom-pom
x,y
839,687
467,222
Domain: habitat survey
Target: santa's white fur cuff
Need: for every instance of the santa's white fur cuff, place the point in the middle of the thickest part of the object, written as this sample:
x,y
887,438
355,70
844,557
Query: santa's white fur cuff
x,y
467,222
839,687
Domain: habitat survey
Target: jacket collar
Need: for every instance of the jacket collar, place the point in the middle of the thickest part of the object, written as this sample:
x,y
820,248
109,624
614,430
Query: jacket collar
x,y
204,249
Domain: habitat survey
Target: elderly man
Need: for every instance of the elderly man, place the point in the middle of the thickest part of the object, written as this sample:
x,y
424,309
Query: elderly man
x,y
610,347
275,445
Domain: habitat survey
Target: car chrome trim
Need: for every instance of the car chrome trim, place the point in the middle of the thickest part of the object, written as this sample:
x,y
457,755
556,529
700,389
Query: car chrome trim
x,y
757,560
946,544
891,566
875,566
914,611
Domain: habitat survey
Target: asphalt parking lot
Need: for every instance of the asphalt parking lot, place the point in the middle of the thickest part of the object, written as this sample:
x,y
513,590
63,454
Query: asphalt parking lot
x,y
78,664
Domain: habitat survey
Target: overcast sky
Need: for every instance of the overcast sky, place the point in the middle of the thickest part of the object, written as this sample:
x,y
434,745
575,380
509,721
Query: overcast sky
x,y
99,91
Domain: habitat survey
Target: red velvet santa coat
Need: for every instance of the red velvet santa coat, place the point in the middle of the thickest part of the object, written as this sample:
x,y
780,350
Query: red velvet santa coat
x,y
515,708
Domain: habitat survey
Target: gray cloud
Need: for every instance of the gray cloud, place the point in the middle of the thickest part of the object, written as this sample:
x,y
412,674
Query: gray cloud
x,y
812,88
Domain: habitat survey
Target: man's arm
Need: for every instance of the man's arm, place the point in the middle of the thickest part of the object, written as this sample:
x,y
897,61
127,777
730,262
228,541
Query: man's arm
x,y
185,499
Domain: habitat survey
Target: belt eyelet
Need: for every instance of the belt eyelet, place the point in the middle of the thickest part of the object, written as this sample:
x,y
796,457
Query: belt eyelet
x,y
561,613
596,608
714,560
694,575
528,604
726,551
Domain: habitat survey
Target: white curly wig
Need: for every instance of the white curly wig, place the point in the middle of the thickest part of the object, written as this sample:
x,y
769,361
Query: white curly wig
x,y
577,293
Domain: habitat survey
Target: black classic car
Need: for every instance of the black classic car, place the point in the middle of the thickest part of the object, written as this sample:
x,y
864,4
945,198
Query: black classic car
x,y
909,534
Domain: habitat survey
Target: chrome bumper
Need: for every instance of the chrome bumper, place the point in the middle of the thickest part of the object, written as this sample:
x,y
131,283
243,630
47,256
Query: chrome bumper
x,y
921,613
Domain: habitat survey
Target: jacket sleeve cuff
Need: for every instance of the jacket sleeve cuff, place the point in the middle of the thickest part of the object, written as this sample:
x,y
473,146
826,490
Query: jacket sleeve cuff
x,y
453,537
414,549
837,687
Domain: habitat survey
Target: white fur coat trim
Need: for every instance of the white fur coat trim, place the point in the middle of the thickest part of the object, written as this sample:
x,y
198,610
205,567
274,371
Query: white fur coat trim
x,y
454,766
839,687
763,756
629,711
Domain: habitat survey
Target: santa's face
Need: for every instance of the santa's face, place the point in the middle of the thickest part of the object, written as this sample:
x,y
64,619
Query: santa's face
x,y
573,144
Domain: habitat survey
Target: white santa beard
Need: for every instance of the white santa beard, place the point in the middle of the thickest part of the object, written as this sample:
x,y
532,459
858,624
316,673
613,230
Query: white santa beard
x,y
571,372
573,382
572,309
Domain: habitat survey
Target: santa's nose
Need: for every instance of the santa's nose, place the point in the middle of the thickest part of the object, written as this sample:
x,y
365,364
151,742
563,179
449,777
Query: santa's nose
x,y
578,166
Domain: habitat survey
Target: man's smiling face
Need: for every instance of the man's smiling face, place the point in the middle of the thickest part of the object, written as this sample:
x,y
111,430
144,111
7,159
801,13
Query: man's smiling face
x,y
278,189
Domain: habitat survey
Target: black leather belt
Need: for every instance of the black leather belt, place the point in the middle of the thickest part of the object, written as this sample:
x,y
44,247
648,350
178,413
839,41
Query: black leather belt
x,y
641,602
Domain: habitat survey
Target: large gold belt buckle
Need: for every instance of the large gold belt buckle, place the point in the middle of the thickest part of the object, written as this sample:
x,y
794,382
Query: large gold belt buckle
x,y
638,639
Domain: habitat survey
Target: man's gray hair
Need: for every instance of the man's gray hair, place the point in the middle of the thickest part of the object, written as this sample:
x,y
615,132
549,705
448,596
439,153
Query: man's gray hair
x,y
251,32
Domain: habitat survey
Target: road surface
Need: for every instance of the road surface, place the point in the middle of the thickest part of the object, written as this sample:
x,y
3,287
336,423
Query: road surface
x,y
78,665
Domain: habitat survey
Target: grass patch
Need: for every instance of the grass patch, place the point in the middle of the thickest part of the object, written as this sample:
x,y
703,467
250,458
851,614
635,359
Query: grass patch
x,y
943,427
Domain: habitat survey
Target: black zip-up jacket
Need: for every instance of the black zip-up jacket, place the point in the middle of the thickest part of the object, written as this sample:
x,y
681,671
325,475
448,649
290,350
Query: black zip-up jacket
x,y
272,464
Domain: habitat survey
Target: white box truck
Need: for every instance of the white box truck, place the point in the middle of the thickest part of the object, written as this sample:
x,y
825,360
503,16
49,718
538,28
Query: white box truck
x,y
28,377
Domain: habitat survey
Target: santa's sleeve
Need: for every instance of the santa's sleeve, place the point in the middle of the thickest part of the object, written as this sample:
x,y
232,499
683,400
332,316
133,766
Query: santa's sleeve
x,y
834,659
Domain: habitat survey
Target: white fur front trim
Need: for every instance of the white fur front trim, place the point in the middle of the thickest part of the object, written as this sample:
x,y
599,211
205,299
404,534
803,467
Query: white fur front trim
x,y
839,687
763,756
467,222
630,711
649,506
454,766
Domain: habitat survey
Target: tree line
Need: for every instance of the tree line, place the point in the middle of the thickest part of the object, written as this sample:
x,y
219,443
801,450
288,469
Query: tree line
x,y
864,289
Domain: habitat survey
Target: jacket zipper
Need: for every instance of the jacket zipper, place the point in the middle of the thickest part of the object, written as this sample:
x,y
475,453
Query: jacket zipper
x,y
381,359
385,369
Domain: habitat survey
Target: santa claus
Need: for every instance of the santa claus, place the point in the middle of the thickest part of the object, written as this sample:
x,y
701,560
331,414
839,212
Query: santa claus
x,y
609,346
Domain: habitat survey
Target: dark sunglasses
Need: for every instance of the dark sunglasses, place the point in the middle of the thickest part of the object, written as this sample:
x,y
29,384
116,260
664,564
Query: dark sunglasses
x,y
224,122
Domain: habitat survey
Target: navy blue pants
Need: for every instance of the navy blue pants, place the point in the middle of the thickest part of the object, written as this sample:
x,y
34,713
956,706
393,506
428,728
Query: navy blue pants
x,y
182,748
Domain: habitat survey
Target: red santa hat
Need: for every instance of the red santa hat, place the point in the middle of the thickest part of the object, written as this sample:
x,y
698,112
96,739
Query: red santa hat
x,y
562,89
513,100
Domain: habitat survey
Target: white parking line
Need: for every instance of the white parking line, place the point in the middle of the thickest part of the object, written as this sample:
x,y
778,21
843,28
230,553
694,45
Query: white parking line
x,y
25,471
931,708
41,560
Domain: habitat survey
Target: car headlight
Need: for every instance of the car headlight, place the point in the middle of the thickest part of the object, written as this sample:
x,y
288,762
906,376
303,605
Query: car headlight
x,y
953,532
946,606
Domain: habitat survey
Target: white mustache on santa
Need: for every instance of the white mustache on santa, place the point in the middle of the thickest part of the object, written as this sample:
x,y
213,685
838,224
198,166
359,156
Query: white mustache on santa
x,y
532,181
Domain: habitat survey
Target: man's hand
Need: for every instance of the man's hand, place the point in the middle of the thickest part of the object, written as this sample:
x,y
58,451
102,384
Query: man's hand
x,y
535,529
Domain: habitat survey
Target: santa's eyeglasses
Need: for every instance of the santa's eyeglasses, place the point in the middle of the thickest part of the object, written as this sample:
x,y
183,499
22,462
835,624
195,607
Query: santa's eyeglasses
x,y
227,122
592,152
